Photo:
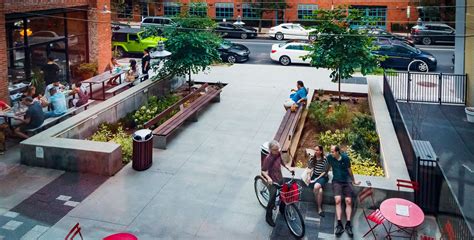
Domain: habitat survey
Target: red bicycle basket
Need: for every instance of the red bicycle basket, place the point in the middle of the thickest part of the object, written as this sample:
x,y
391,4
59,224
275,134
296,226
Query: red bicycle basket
x,y
290,193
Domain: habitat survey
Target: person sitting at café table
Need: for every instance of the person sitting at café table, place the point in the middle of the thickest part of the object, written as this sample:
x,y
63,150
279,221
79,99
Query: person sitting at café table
x,y
47,92
33,118
4,106
132,73
297,95
58,103
112,65
3,126
31,92
83,97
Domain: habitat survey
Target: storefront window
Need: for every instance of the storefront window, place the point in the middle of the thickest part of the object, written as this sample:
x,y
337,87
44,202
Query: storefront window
x,y
77,42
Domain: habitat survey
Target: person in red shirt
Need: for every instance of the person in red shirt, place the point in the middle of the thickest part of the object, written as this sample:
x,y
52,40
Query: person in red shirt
x,y
271,171
4,106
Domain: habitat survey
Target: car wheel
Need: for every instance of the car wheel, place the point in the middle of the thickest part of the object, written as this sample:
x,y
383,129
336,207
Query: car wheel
x,y
243,36
279,36
426,41
285,60
422,67
119,52
312,38
231,59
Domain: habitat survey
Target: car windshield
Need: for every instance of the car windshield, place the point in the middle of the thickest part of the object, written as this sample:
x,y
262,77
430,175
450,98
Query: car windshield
x,y
238,47
226,44
412,49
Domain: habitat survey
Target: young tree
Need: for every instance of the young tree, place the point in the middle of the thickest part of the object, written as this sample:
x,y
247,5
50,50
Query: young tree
x,y
341,48
259,7
193,45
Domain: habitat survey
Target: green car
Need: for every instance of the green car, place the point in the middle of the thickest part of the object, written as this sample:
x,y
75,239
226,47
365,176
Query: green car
x,y
129,40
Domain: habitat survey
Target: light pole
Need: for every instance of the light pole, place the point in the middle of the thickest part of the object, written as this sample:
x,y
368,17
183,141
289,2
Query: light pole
x,y
159,54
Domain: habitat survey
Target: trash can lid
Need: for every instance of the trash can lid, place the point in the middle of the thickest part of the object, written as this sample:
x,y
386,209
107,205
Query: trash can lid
x,y
264,147
142,135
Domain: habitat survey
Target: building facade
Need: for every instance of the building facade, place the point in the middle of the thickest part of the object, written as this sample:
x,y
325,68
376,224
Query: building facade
x,y
391,15
70,31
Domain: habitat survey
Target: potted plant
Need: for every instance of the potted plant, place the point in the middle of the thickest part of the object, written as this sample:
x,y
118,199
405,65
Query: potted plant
x,y
470,114
87,70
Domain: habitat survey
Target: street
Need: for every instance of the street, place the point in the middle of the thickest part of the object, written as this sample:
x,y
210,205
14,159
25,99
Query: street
x,y
260,52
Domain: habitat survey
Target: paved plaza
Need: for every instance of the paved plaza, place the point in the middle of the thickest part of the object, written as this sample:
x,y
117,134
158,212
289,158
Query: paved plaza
x,y
200,187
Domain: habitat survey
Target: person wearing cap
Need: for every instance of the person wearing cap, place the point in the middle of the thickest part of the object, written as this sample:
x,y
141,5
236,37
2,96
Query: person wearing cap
x,y
297,95
34,117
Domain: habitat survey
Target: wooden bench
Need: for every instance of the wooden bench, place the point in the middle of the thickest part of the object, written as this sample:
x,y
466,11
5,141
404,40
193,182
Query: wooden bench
x,y
287,128
117,88
165,130
55,120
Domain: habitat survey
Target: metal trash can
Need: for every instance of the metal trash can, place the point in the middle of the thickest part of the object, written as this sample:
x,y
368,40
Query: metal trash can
x,y
142,149
264,151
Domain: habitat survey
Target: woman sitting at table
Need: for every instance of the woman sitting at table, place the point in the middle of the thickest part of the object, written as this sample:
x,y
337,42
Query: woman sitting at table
x,y
112,65
82,95
132,73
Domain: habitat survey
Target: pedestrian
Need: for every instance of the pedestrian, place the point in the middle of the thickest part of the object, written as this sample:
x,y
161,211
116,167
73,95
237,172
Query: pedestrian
x,y
297,96
342,182
34,117
271,171
146,63
318,164
51,71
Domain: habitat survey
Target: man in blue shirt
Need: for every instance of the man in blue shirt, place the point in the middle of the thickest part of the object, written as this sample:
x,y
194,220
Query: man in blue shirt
x,y
297,96
58,103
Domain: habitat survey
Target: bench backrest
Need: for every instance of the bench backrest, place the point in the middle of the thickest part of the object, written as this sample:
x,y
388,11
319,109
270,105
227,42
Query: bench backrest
x,y
287,127
174,106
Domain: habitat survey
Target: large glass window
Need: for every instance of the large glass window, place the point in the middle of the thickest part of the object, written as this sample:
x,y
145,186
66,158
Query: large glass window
x,y
172,9
306,11
374,13
224,10
124,9
198,9
248,12
77,41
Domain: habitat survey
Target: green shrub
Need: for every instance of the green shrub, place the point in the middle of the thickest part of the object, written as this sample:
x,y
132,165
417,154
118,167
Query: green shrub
x,y
329,138
363,136
326,118
113,132
341,115
364,166
153,108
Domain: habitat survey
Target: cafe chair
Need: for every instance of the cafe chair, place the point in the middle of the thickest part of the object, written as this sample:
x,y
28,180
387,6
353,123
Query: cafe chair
x,y
407,184
374,218
73,232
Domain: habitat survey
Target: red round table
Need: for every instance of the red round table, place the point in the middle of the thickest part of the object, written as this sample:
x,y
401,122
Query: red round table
x,y
415,218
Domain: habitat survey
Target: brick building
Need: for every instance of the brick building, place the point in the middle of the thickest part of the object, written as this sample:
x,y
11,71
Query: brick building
x,y
389,14
70,31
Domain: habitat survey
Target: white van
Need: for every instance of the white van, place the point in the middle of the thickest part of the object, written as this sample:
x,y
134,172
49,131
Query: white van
x,y
157,22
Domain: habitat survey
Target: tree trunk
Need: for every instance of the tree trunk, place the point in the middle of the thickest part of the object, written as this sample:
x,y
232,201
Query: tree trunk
x,y
339,85
260,23
189,80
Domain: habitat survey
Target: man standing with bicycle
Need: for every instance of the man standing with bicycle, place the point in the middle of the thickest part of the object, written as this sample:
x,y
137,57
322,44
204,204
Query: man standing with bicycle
x,y
342,182
271,171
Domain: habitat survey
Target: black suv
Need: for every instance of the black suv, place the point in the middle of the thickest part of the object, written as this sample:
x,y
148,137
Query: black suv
x,y
400,55
236,31
430,33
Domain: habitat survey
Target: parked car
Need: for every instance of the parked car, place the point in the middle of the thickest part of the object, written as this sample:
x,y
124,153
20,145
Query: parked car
x,y
431,33
382,35
291,52
400,55
130,40
236,31
160,22
233,52
291,31
47,36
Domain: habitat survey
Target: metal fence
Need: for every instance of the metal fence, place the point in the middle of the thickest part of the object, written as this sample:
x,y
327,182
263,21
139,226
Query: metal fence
x,y
428,87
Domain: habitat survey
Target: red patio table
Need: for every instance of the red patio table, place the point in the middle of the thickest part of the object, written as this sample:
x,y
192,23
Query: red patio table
x,y
415,218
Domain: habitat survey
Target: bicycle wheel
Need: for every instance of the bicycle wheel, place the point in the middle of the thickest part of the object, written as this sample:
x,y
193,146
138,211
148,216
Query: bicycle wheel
x,y
261,191
294,220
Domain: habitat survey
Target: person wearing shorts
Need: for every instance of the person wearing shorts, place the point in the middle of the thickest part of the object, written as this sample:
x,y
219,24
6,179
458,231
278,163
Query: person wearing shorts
x,y
318,165
342,182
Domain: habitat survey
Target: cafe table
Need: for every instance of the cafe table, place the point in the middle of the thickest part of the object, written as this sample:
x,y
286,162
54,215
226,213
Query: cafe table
x,y
102,79
406,224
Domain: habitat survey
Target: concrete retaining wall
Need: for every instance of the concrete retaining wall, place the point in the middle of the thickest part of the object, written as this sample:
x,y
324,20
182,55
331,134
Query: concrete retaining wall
x,y
62,146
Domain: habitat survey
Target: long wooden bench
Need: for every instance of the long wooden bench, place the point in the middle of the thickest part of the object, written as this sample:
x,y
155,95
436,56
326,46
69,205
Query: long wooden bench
x,y
191,112
117,88
287,128
55,120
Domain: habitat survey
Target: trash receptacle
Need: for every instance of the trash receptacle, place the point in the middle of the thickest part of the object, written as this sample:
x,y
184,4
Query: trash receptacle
x,y
142,149
264,151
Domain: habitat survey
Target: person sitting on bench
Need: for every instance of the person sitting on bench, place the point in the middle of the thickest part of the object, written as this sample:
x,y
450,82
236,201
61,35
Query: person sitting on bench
x,y
58,104
83,97
34,117
132,73
297,96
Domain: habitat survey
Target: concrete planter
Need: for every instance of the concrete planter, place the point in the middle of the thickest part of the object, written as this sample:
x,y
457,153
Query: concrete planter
x,y
470,114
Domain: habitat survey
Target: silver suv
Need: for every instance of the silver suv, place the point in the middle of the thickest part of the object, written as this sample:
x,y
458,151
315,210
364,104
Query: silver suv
x,y
157,22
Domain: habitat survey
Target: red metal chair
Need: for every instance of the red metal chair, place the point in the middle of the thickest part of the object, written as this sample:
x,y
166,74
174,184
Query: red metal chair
x,y
375,216
407,184
73,232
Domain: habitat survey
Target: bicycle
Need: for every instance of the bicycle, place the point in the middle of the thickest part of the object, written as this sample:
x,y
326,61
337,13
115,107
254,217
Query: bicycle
x,y
288,193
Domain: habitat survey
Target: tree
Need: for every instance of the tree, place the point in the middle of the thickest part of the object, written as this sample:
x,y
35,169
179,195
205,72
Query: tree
x,y
341,48
260,7
193,45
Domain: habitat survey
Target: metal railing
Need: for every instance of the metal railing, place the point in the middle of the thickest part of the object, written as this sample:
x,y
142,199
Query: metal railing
x,y
428,87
